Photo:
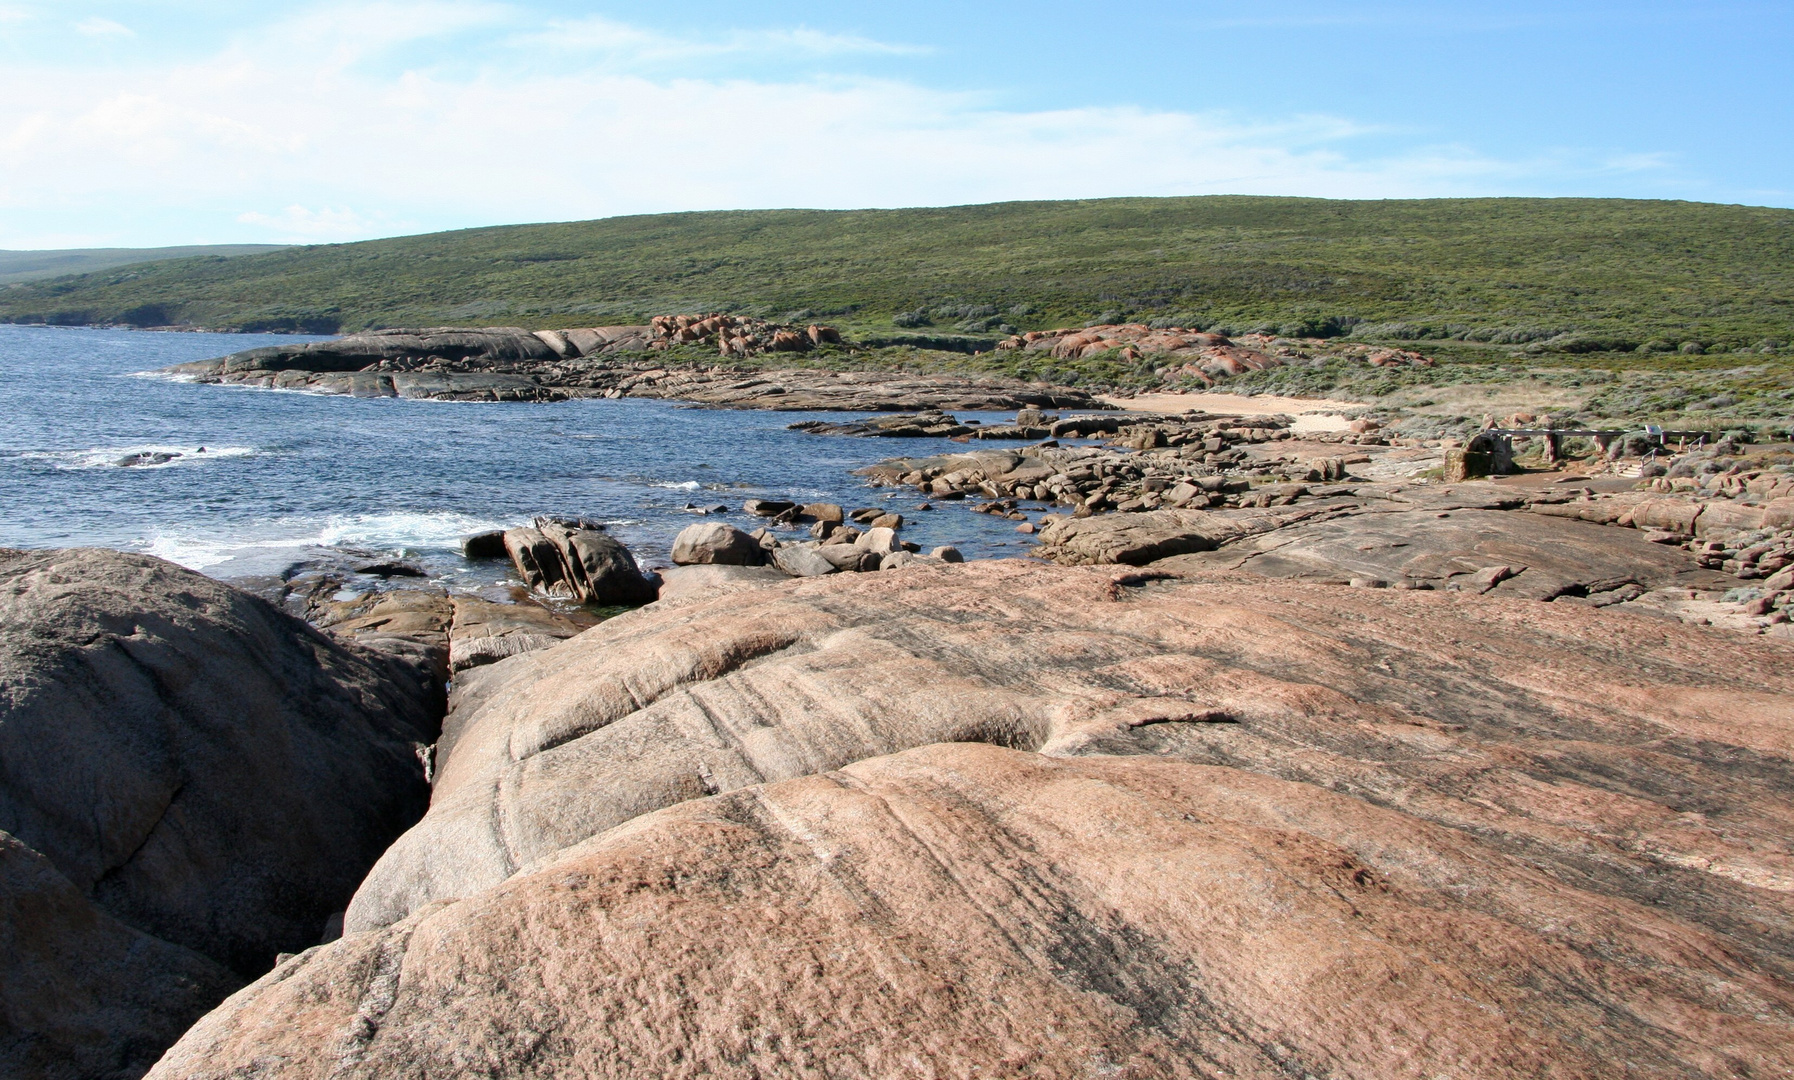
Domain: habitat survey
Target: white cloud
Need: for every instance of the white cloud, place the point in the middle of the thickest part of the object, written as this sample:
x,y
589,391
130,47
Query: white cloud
x,y
637,47
94,26
302,224
280,134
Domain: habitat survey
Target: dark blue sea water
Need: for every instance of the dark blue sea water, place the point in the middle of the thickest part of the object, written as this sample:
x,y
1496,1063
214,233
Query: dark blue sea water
x,y
289,478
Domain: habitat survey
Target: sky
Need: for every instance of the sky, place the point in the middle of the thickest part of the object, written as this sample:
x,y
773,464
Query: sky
x,y
134,123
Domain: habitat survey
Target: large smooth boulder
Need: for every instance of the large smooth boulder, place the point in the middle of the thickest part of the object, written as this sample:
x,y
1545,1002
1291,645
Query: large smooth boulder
x,y
602,570
967,910
205,768
716,542
85,995
1556,730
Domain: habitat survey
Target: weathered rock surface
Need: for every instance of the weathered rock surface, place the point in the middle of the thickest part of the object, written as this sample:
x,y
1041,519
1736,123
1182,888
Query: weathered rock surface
x,y
704,579
1545,559
1137,539
1261,829
923,425
85,995
484,632
212,774
578,560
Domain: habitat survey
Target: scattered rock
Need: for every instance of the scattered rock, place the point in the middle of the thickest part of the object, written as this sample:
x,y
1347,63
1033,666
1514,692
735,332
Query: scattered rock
x,y
388,568
511,364
802,561
485,545
768,507
716,542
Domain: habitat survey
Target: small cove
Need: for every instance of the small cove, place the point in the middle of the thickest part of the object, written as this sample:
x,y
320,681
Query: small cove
x,y
289,480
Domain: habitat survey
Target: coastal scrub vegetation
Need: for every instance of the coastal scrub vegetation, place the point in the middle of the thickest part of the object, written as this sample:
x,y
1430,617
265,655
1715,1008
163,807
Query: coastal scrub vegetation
x,y
1663,308
1557,275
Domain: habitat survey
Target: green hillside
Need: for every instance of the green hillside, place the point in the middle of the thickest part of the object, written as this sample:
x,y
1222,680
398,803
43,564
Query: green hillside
x,y
1563,275
35,265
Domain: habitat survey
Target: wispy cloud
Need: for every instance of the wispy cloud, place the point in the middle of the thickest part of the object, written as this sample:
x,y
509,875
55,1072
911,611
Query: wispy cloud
x,y
288,134
338,33
95,26
640,47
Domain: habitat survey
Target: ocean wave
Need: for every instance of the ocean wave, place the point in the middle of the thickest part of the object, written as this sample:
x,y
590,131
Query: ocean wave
x,y
143,456
439,530
416,533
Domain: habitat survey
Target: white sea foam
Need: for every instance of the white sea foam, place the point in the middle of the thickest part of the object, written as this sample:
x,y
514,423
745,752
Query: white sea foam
x,y
688,485
410,533
430,530
205,552
143,456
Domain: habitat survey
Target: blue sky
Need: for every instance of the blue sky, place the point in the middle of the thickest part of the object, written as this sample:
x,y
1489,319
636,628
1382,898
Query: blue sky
x,y
198,121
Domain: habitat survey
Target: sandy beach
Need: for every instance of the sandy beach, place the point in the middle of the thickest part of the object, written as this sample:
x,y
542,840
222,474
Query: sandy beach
x,y
1311,414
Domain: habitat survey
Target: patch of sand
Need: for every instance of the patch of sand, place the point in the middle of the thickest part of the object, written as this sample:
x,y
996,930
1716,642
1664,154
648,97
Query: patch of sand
x,y
1312,414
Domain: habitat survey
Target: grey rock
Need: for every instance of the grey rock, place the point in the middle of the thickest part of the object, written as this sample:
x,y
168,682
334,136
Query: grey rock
x,y
200,766
768,507
600,568
82,994
485,545
800,560
849,557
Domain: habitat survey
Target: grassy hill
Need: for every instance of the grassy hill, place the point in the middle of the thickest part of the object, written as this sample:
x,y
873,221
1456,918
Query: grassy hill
x,y
1572,276
18,266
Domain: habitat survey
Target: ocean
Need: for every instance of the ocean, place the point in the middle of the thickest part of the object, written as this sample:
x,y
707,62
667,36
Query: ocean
x,y
251,485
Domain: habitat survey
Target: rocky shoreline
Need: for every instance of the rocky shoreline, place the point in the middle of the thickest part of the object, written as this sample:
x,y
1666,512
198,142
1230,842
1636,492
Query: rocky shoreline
x,y
1288,753
511,364
1002,817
